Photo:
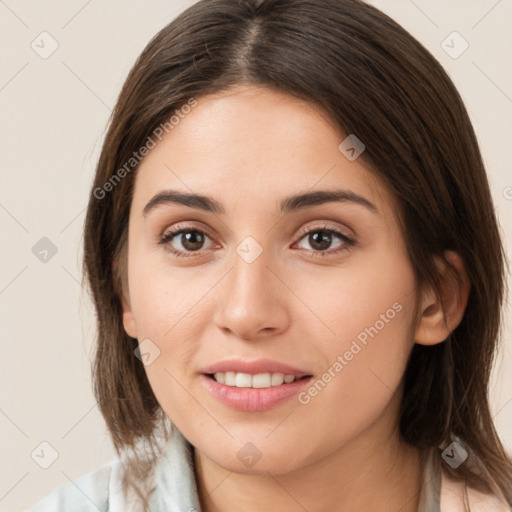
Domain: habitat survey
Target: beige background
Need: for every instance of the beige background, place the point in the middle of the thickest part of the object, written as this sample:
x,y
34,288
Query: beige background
x,y
54,112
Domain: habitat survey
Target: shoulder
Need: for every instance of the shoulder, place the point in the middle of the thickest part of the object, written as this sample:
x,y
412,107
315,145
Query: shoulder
x,y
87,493
452,498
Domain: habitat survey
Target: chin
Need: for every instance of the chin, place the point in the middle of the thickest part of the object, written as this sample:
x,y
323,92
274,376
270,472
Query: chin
x,y
248,459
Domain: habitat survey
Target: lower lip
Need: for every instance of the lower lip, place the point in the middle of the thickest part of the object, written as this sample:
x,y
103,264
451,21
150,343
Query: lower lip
x,y
253,399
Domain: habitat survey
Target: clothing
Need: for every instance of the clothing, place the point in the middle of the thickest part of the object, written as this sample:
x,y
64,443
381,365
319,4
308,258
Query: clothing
x,y
176,491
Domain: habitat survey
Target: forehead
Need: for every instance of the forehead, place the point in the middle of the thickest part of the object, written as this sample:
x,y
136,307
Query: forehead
x,y
253,139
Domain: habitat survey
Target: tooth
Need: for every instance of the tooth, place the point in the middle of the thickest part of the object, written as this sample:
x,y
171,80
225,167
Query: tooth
x,y
277,379
229,378
261,380
247,380
243,380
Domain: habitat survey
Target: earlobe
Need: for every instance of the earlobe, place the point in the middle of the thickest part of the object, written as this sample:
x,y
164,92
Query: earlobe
x,y
438,319
128,320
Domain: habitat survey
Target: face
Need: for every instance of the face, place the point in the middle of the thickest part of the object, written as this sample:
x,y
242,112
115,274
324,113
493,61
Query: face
x,y
253,286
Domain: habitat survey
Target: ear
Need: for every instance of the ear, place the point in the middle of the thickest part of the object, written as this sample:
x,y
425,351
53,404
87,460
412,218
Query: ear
x,y
128,319
438,320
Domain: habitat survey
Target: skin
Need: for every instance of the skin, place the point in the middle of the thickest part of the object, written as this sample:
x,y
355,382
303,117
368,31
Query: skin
x,y
249,148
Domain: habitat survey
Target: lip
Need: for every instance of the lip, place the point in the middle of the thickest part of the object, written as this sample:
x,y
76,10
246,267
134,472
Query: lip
x,y
254,367
253,399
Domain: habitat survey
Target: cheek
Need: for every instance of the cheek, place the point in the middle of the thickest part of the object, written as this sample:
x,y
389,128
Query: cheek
x,y
170,317
166,299
373,292
369,312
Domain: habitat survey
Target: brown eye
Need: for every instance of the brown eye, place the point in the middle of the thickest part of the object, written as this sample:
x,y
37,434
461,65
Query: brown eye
x,y
321,239
192,240
184,240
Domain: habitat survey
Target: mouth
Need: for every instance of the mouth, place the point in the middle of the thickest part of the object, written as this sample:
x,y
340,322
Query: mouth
x,y
253,386
255,381
254,392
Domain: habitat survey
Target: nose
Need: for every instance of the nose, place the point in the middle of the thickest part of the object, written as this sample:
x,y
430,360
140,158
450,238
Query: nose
x,y
252,300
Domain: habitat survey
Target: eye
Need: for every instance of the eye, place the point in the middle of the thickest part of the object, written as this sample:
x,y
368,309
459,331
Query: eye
x,y
189,238
321,239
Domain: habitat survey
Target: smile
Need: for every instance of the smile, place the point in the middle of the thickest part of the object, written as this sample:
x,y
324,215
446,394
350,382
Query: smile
x,y
251,398
260,380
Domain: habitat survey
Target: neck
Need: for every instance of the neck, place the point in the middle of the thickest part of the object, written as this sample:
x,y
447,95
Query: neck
x,y
363,476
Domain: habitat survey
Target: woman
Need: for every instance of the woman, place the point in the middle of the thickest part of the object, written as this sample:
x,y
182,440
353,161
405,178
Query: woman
x,y
297,272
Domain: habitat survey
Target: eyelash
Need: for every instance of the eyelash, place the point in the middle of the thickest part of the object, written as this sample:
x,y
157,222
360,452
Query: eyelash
x,y
167,237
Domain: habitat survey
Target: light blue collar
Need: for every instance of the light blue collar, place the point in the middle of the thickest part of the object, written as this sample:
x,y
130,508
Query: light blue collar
x,y
176,489
430,497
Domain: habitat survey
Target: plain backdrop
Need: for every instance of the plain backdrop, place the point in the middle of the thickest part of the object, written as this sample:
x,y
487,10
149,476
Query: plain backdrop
x,y
54,113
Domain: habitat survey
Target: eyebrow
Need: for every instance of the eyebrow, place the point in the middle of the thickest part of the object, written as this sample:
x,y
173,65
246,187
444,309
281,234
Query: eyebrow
x,y
290,204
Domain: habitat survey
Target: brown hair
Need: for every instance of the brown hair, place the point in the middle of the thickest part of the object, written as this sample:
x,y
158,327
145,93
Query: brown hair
x,y
376,81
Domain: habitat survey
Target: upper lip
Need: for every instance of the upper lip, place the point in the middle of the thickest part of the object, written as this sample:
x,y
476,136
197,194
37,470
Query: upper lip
x,y
254,367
